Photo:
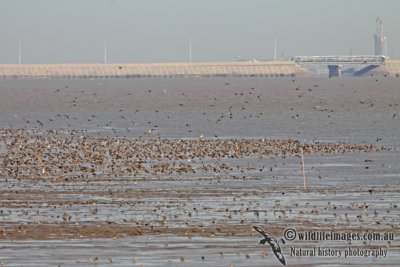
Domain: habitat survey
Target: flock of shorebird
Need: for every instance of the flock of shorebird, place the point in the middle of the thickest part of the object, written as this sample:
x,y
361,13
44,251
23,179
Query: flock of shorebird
x,y
107,174
55,153
59,158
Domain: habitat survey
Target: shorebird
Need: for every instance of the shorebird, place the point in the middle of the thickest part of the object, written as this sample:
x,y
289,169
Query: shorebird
x,y
273,242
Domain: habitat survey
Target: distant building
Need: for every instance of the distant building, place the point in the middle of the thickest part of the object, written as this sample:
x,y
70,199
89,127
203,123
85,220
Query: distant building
x,y
380,39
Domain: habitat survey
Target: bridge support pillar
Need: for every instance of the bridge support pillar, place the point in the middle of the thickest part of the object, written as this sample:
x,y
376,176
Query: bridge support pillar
x,y
335,70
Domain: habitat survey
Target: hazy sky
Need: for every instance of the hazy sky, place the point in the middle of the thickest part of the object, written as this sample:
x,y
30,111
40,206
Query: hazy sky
x,y
73,31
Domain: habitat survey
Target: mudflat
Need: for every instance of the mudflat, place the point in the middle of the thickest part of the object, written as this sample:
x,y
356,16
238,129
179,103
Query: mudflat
x,y
160,172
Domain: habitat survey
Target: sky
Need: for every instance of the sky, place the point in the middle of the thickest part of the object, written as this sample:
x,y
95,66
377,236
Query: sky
x,y
142,31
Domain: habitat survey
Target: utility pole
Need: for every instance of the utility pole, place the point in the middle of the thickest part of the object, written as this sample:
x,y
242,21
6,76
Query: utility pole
x,y
105,51
19,51
190,50
275,48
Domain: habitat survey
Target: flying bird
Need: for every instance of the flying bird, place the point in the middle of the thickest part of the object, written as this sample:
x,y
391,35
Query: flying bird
x,y
273,242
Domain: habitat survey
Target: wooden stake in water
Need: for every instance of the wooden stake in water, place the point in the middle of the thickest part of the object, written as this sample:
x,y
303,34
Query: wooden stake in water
x,y
302,168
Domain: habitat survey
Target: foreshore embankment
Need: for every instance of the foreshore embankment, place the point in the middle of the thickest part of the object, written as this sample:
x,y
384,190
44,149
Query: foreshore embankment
x,y
153,70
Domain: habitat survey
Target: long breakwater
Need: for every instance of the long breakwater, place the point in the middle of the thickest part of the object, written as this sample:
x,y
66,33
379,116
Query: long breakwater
x,y
155,70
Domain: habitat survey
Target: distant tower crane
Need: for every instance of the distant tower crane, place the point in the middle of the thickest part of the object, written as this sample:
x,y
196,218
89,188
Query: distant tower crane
x,y
380,39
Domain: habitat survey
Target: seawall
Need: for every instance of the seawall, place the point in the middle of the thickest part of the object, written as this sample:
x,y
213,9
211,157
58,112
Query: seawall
x,y
391,67
159,70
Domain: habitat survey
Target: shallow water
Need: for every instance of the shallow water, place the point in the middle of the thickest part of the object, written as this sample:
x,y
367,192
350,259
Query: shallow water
x,y
358,190
351,110
167,251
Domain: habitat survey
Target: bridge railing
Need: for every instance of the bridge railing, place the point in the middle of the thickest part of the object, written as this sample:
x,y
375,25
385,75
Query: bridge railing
x,y
340,59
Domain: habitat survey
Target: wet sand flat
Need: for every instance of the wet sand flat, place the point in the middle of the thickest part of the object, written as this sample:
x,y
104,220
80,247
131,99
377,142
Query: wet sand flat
x,y
167,172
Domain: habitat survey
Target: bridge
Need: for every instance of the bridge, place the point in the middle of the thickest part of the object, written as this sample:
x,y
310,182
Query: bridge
x,y
335,63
